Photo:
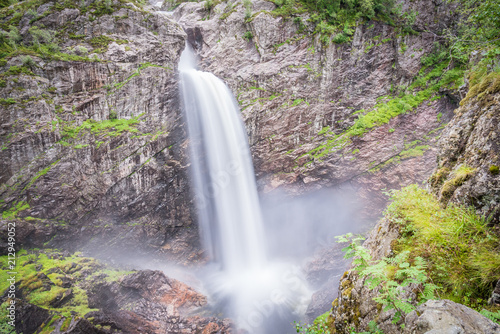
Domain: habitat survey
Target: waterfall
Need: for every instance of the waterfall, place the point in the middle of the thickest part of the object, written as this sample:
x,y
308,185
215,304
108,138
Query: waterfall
x,y
255,289
223,174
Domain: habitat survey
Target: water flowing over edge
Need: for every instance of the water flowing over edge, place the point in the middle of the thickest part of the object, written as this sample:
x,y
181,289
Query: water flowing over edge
x,y
262,295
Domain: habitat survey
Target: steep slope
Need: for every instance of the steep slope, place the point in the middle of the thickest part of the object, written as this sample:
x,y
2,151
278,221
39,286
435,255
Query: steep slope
x,y
92,136
311,108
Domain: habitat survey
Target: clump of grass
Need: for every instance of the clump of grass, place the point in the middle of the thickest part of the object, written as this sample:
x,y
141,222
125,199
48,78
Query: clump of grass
x,y
439,176
460,175
462,251
482,85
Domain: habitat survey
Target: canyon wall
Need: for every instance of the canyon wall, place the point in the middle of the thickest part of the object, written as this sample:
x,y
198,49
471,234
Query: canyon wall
x,y
93,144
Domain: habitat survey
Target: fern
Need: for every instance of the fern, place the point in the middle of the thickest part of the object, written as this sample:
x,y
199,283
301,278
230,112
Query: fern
x,y
390,276
493,316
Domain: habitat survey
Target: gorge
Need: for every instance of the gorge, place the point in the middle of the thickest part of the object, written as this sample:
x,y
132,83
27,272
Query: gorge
x,y
137,210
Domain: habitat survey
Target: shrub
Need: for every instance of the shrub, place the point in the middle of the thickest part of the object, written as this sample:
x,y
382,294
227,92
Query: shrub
x,y
113,115
340,38
82,49
14,36
248,9
40,36
248,35
389,276
28,61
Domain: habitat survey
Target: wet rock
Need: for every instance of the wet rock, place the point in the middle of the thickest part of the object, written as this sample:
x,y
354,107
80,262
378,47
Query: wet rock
x,y
29,317
445,316
290,87
106,188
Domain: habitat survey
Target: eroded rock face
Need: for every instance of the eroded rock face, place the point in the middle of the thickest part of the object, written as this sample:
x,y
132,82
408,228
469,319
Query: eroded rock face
x,y
291,88
471,143
80,175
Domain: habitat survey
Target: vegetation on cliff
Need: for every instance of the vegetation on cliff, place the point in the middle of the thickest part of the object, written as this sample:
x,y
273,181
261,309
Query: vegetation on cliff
x,y
56,281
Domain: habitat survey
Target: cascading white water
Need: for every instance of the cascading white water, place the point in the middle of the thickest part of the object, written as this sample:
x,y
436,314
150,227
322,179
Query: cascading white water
x,y
224,176
256,290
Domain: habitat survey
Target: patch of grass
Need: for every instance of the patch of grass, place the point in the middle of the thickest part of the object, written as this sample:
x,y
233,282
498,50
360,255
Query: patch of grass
x,y
40,174
423,88
7,101
112,127
462,251
14,210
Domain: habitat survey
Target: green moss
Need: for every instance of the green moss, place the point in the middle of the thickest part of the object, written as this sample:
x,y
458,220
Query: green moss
x,y
30,265
439,176
40,174
462,251
7,101
482,85
460,175
102,42
494,169
15,210
66,323
423,89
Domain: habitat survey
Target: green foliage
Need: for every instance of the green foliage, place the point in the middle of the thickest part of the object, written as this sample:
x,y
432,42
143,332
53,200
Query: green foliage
x,y
4,325
230,8
493,316
14,210
248,9
424,88
5,3
389,276
480,28
30,266
460,175
494,169
318,327
40,36
28,61
248,35
7,101
461,250
113,114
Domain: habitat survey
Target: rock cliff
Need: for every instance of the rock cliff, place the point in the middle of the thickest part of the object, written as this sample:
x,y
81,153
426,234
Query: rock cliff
x,y
298,94
93,142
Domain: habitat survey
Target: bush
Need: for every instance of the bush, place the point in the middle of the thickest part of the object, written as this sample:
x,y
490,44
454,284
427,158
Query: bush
x,y
248,9
40,36
14,36
389,276
248,35
113,115
28,61
82,49
340,38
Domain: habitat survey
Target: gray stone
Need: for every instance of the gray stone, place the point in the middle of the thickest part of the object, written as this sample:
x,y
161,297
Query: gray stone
x,y
447,317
